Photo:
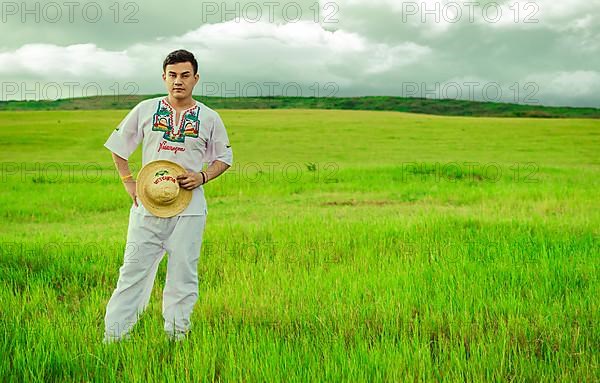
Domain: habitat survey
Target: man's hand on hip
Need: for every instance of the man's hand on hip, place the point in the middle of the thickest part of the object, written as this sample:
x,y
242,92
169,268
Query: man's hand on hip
x,y
130,187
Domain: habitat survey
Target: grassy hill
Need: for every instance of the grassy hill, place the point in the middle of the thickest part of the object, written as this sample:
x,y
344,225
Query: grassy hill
x,y
400,104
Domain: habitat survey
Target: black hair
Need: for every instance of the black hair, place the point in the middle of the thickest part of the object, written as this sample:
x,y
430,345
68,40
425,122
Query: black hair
x,y
181,56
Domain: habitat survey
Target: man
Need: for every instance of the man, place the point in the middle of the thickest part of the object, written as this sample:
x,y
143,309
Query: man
x,y
178,129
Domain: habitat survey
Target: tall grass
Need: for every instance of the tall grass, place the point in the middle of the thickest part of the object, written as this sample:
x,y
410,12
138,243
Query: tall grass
x,y
379,256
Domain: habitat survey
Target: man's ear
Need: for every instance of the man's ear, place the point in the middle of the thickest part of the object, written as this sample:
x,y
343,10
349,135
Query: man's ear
x,y
164,77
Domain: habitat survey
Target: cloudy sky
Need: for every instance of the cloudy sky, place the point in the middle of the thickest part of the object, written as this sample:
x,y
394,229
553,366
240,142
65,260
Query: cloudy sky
x,y
542,51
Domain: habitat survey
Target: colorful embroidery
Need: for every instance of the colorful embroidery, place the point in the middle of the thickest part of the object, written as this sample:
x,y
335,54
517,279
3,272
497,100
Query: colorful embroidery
x,y
163,118
191,124
163,121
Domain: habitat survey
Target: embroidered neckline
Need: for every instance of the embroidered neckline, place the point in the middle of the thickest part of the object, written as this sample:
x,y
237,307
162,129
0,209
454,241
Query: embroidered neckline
x,y
174,111
188,124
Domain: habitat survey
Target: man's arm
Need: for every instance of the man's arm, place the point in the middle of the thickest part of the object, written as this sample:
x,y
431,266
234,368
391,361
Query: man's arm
x,y
122,166
215,169
192,180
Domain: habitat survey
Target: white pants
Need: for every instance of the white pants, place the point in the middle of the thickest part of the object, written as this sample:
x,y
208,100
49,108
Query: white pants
x,y
148,237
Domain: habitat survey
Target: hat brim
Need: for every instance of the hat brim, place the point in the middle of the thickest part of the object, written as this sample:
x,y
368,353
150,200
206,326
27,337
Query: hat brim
x,y
147,174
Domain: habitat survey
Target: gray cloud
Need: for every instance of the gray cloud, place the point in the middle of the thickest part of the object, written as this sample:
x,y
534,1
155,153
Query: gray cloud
x,y
357,48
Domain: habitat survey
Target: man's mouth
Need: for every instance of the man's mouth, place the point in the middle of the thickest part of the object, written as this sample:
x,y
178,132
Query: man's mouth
x,y
176,89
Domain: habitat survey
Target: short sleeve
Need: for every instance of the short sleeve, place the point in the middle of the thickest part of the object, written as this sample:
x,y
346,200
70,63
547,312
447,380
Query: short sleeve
x,y
125,139
218,147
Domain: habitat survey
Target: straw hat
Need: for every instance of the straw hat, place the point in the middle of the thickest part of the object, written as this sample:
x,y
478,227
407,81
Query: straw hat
x,y
159,191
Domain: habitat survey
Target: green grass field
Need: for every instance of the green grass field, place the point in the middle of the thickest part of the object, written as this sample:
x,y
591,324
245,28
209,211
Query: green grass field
x,y
343,245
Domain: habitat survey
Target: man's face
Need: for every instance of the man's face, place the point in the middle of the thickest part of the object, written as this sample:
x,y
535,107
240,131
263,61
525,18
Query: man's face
x,y
180,79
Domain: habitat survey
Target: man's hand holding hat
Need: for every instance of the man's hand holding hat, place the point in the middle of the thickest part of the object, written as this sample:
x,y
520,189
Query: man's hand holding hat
x,y
191,180
159,191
